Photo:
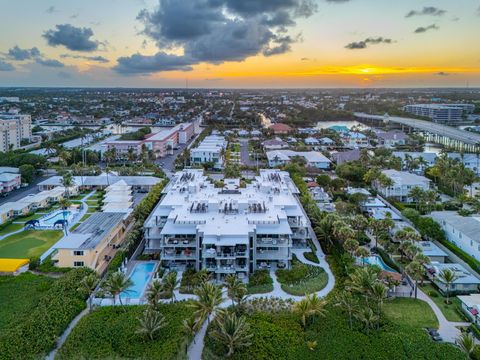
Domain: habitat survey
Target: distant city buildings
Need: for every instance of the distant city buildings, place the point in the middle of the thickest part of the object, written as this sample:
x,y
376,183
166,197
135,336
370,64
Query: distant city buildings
x,y
441,113
14,128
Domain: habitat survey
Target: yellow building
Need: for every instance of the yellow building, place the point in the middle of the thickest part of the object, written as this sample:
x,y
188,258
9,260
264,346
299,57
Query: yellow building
x,y
93,244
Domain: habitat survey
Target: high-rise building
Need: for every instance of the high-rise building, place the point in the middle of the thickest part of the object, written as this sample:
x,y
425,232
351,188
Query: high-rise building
x,y
442,113
13,128
228,230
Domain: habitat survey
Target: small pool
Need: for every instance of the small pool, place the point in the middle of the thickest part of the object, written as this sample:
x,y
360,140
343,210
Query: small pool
x,y
375,260
140,276
50,219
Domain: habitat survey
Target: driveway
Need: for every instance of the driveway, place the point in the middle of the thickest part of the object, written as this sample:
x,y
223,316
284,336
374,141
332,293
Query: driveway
x,y
244,155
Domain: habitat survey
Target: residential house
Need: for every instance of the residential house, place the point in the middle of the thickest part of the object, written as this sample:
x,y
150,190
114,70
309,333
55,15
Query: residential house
x,y
281,129
313,158
210,150
403,183
392,138
466,282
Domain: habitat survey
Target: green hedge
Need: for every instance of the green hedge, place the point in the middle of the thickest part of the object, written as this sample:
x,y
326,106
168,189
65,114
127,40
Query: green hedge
x,y
110,333
260,282
35,333
311,256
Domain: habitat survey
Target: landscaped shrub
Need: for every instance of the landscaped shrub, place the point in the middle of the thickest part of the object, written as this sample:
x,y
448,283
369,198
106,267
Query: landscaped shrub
x,y
387,259
33,263
311,256
302,279
35,333
260,282
47,266
110,333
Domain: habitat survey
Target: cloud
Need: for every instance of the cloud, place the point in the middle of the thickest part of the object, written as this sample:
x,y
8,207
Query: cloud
x,y
5,66
51,10
19,54
73,38
49,63
427,10
161,61
368,41
215,31
423,29
64,75
99,59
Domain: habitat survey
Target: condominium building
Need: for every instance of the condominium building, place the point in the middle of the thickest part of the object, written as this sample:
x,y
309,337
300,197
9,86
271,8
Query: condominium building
x,y
229,230
93,244
209,151
442,113
161,143
402,183
13,128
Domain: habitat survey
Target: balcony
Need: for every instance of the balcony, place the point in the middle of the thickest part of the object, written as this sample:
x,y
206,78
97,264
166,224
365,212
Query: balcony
x,y
296,223
272,241
180,242
175,255
272,255
209,253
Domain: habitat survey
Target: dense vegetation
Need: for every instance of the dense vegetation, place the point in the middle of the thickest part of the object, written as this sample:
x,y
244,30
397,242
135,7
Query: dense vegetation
x,y
260,282
16,159
280,336
32,334
110,333
302,279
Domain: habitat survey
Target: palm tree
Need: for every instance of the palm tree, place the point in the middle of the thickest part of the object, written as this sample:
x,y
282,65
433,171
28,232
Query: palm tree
x,y
359,223
362,253
87,285
64,204
150,323
416,271
416,193
367,317
362,280
350,245
423,260
309,306
236,288
346,301
131,155
231,331
209,298
379,294
116,283
67,182
170,284
317,305
448,277
154,293
190,326
466,342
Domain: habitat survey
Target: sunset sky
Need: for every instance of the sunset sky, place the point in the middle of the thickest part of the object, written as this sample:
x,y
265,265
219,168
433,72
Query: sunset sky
x,y
240,43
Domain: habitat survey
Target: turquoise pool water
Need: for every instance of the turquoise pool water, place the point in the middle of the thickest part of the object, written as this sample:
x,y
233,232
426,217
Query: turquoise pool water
x,y
376,260
57,215
141,274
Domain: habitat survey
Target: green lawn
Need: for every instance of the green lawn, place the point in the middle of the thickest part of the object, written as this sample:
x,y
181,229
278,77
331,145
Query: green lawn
x,y
280,336
28,243
449,311
30,217
85,217
92,202
406,311
91,210
19,295
10,228
110,333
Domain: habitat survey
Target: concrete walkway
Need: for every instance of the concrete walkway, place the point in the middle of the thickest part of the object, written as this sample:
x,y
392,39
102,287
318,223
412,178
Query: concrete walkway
x,y
448,330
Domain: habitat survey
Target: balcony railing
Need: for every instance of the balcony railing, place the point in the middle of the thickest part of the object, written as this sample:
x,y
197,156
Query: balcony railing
x,y
272,241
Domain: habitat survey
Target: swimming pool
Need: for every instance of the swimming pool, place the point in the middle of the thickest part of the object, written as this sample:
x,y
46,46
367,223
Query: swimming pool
x,y
55,216
376,260
140,276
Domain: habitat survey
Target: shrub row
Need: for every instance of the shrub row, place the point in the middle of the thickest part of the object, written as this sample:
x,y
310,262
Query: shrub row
x,y
36,332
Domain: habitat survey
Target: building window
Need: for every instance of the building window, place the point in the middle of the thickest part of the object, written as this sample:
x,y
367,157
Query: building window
x,y
78,263
78,253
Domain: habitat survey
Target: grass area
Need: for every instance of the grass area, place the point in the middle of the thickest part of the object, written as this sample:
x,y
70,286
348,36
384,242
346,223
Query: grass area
x,y
10,228
260,282
29,243
280,336
91,210
75,226
110,333
405,312
310,255
29,217
302,279
85,217
19,295
92,202
449,311
77,197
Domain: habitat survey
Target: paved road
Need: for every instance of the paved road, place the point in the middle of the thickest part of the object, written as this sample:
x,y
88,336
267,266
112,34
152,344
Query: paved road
x,y
244,155
16,195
